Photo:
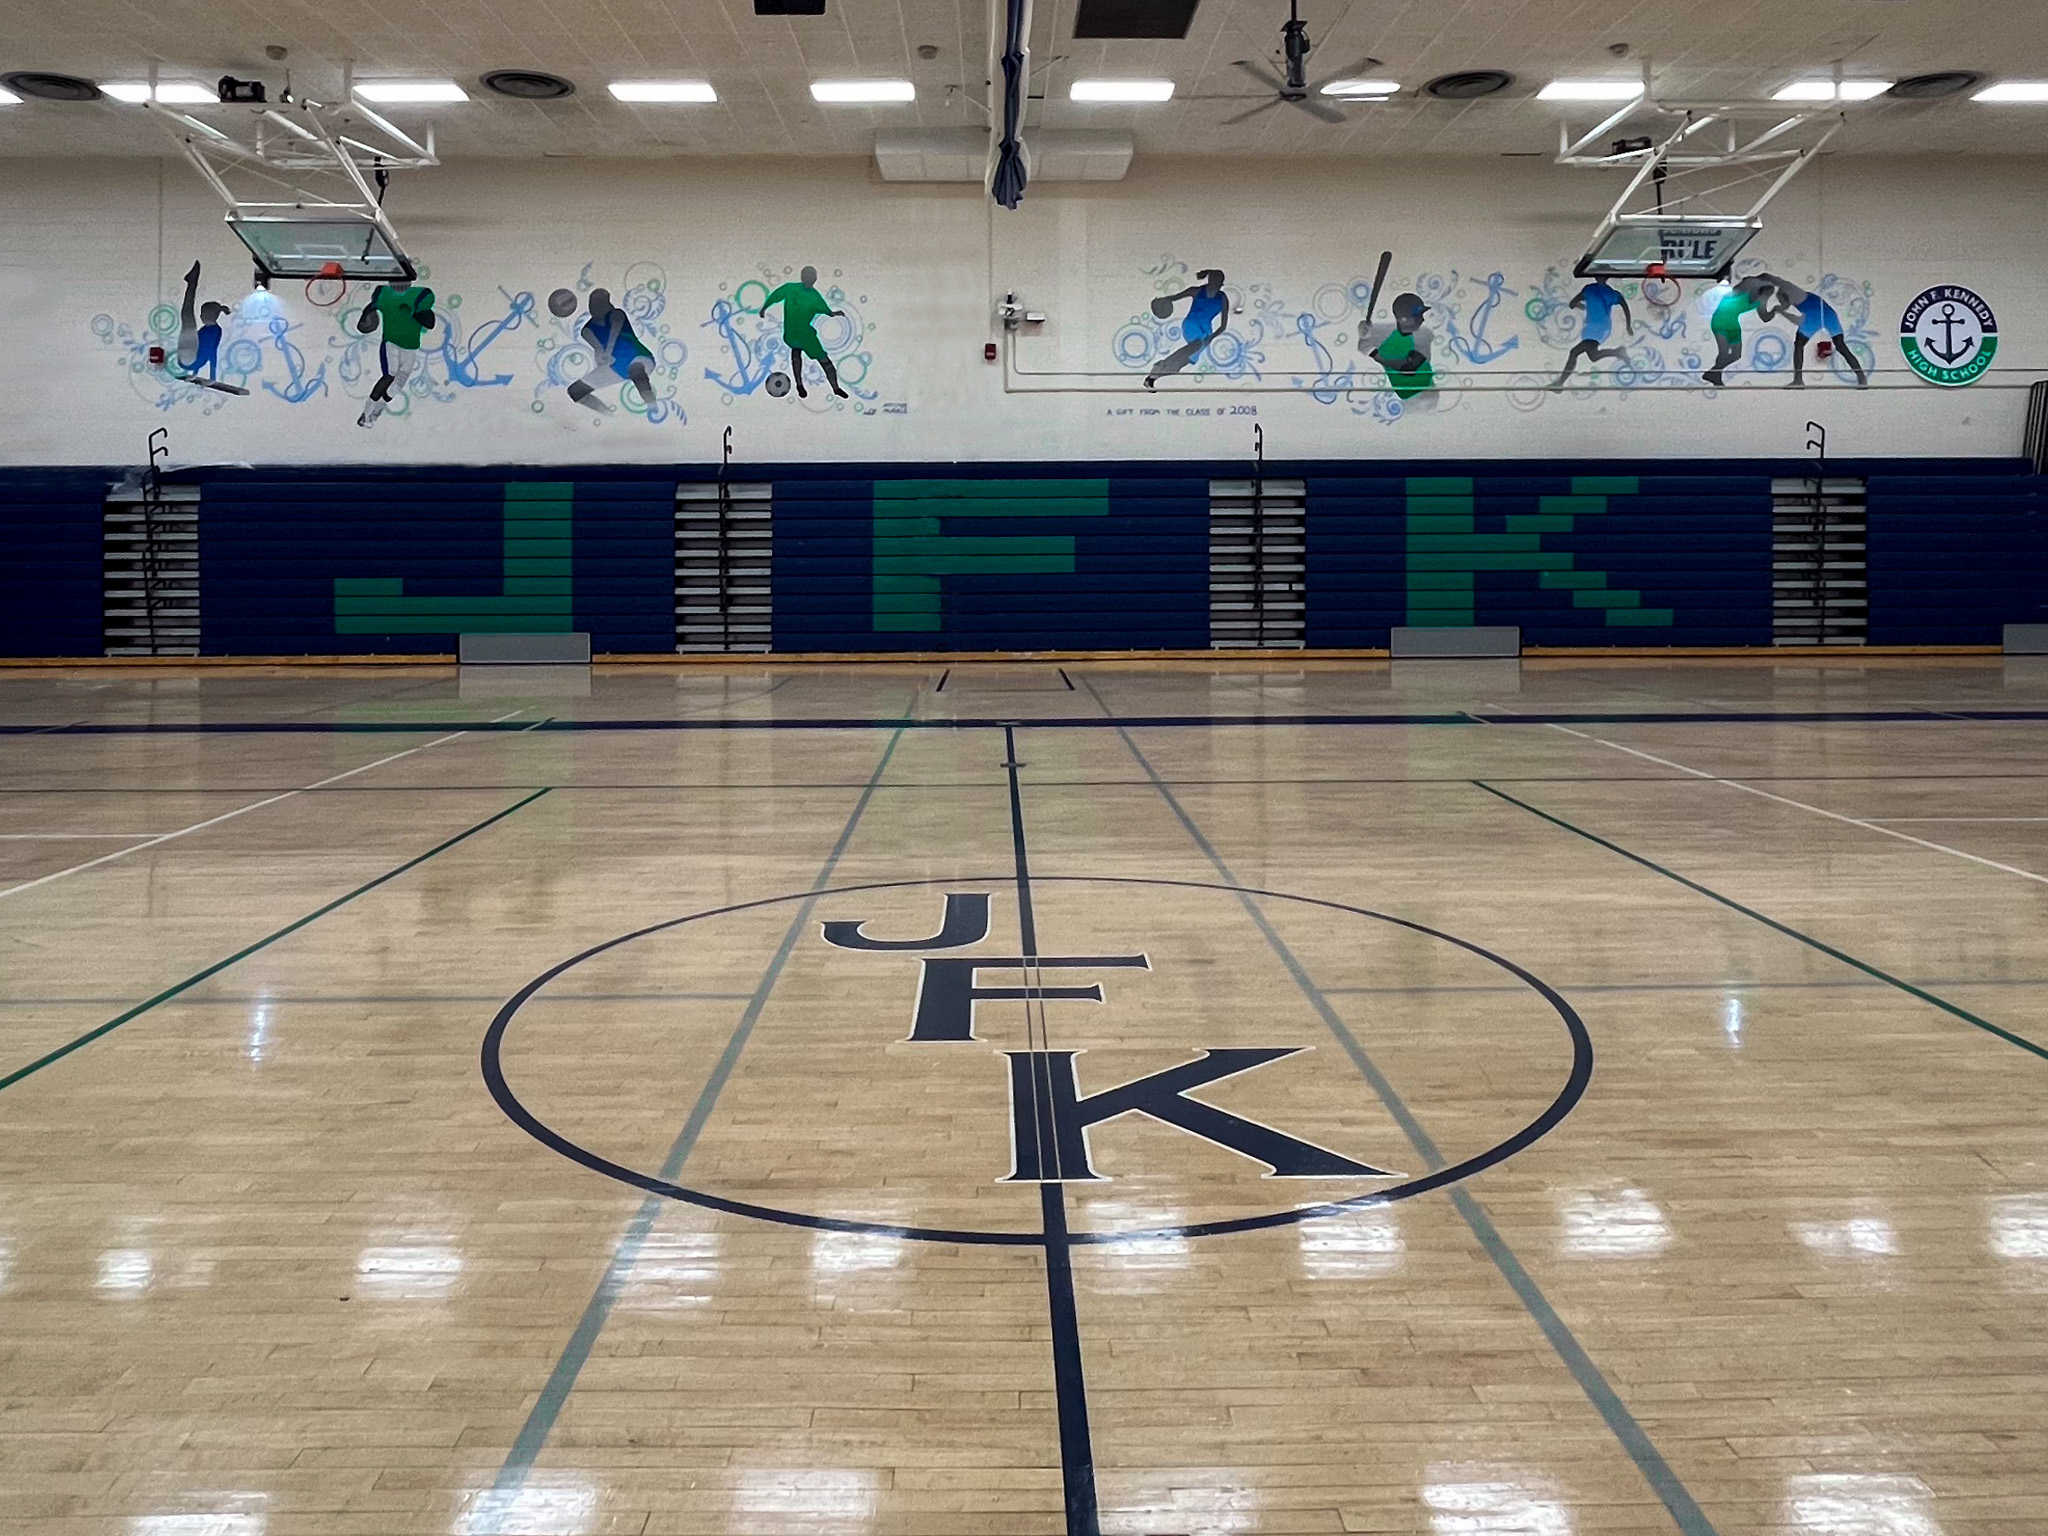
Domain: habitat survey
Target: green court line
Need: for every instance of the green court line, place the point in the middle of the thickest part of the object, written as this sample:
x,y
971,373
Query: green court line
x,y
1771,922
263,943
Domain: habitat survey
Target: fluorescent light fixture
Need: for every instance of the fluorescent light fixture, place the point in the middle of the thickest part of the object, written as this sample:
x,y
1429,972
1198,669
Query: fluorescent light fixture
x,y
1591,90
8,98
844,92
1825,90
183,93
662,90
1370,90
399,93
127,90
1120,90
2014,90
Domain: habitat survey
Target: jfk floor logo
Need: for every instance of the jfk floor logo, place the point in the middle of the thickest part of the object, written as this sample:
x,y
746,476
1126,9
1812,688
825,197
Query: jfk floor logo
x,y
1949,335
1050,1116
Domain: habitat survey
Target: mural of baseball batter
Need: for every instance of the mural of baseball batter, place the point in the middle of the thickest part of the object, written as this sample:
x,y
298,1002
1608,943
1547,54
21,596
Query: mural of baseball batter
x,y
1402,347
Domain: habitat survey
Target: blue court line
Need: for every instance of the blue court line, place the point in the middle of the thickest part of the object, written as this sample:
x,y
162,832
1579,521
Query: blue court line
x,y
1059,722
1671,1492
495,1507
263,943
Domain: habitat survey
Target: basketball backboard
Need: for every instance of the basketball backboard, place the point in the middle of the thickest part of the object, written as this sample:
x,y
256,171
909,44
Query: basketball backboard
x,y
314,245
1677,247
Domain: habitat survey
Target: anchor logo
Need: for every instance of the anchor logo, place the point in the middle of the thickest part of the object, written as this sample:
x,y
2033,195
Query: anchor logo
x,y
1950,353
1948,335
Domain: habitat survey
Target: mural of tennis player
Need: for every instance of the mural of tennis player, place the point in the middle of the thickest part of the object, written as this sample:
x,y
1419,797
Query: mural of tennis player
x,y
1817,318
405,314
1598,301
1402,347
616,353
199,334
802,308
1208,313
1758,295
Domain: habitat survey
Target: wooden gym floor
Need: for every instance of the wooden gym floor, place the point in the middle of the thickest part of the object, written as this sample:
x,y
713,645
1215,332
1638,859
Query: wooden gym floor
x,y
1521,1101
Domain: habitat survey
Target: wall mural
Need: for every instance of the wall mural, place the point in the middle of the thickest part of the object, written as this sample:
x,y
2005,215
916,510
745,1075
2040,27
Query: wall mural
x,y
606,351
813,333
1222,334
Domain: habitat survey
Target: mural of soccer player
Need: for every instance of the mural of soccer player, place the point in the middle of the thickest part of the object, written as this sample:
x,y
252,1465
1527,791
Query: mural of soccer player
x,y
616,353
1597,301
1208,313
1402,347
802,308
1757,295
1817,318
406,314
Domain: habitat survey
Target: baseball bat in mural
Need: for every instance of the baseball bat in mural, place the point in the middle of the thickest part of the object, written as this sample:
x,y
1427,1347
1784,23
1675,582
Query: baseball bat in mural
x,y
1379,281
1208,314
802,308
404,313
1402,345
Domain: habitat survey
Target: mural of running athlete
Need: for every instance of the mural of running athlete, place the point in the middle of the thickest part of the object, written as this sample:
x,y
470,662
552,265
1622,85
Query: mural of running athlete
x,y
1402,347
1208,313
616,353
802,308
1817,317
1598,301
406,314
199,339
1757,295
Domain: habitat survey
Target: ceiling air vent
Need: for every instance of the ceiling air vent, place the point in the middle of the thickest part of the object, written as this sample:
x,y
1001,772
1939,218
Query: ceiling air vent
x,y
48,87
1469,84
1133,18
528,84
789,7
1946,82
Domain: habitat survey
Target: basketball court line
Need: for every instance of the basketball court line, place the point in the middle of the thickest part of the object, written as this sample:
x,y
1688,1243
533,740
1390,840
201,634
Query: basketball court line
x,y
496,1511
1801,805
1790,932
80,837
11,1078
1060,722
1670,1490
214,821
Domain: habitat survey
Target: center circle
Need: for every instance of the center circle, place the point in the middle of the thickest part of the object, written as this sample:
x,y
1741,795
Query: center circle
x,y
1577,1078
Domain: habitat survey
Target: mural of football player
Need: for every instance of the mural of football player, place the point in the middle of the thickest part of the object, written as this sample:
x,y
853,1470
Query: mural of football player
x,y
405,314
1208,313
616,353
1402,347
1817,319
1597,301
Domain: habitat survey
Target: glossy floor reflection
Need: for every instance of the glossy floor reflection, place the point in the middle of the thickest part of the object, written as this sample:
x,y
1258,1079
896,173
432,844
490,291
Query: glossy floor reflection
x,y
549,1105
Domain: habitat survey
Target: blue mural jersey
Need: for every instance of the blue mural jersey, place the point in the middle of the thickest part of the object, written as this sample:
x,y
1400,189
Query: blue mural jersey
x,y
1204,310
207,354
1600,302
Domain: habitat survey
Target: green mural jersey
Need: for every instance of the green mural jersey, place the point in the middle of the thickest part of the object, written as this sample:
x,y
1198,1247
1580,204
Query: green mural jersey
x,y
1727,321
403,315
1399,347
802,307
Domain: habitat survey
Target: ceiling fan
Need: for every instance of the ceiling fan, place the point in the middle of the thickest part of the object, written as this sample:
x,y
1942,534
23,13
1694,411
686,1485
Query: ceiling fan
x,y
1293,87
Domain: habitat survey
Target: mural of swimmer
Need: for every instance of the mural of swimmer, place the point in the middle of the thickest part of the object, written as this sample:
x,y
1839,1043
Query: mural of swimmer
x,y
1208,313
616,352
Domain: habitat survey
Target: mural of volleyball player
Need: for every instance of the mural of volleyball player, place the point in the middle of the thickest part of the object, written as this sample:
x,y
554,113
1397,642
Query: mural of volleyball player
x,y
802,308
1758,295
1817,318
405,314
1402,347
616,352
1208,313
1598,301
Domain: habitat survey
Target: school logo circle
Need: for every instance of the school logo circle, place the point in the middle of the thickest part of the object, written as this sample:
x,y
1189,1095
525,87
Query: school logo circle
x,y
1949,335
